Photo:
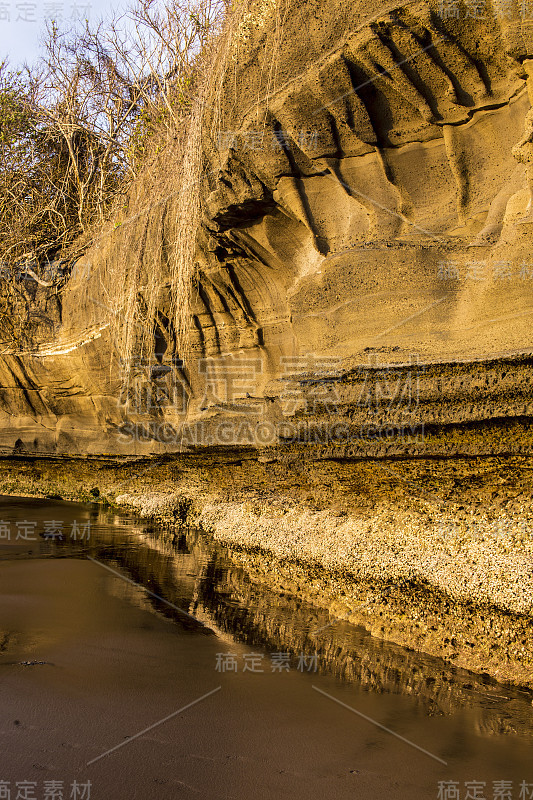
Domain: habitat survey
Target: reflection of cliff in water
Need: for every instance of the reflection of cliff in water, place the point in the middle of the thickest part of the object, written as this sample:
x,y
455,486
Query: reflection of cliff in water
x,y
188,570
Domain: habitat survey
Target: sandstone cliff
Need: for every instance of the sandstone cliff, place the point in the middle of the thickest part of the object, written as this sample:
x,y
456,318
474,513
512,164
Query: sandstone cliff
x,y
362,284
364,213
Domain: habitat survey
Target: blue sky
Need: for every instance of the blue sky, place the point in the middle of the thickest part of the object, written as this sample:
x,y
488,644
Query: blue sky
x,y
22,23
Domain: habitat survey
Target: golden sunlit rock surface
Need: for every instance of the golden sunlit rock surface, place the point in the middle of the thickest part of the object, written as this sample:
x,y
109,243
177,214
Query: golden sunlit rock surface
x,y
361,312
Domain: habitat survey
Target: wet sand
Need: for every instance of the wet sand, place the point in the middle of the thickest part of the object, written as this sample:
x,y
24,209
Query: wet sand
x,y
116,662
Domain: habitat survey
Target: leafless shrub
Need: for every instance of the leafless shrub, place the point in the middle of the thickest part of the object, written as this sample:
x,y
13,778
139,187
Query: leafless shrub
x,y
104,144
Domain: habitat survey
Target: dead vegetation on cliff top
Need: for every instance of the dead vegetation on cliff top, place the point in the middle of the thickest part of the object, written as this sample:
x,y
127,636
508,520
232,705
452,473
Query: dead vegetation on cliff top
x,y
128,107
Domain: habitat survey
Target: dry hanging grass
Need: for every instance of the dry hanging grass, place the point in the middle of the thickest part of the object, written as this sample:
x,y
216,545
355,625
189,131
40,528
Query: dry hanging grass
x,y
151,265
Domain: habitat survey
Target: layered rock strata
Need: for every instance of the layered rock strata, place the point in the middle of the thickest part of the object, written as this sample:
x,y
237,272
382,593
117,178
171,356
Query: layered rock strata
x,y
363,288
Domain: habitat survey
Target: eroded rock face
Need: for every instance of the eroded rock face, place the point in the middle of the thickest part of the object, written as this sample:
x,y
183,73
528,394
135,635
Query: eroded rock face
x,y
363,293
363,259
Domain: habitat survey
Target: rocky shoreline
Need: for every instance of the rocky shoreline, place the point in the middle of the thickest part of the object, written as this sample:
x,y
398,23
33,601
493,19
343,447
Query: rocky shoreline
x,y
435,556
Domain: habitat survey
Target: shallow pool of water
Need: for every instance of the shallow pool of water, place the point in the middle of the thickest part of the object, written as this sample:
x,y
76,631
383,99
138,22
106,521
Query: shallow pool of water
x,y
109,627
